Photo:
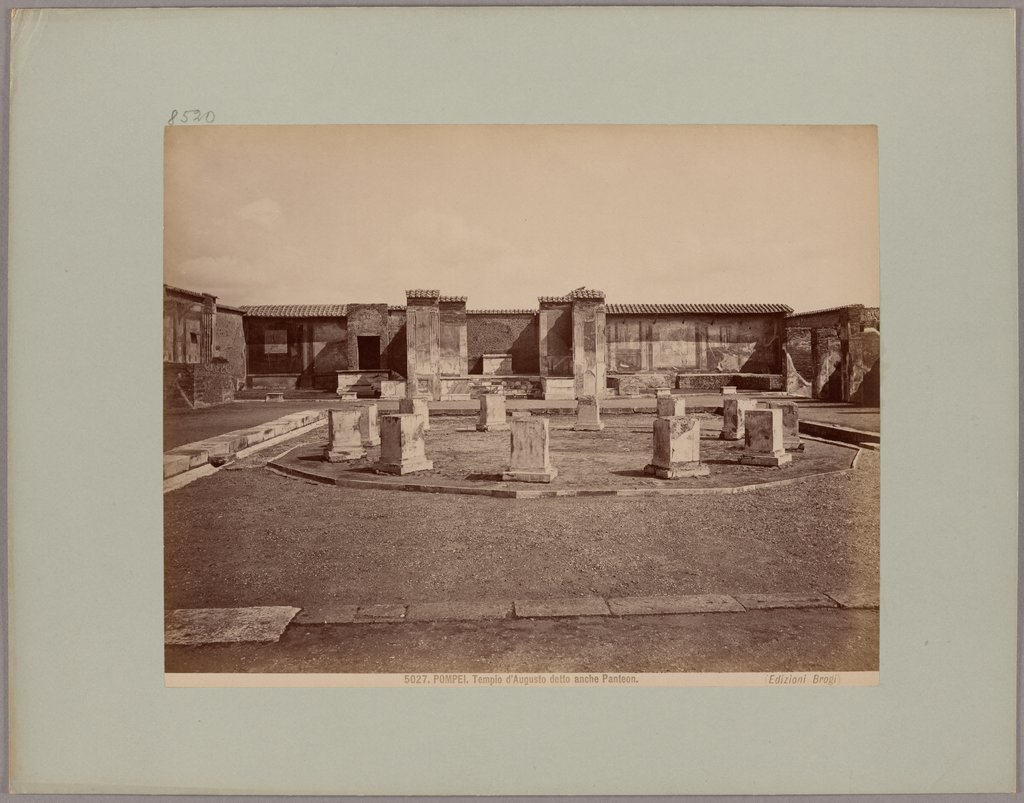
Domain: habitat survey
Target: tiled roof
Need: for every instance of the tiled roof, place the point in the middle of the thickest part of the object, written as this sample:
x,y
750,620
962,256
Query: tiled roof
x,y
295,311
422,293
583,292
554,299
501,312
452,299
192,293
827,309
396,307
699,309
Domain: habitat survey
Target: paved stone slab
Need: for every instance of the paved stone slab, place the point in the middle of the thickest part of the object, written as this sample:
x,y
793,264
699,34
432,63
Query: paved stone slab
x,y
459,611
571,606
685,603
765,601
380,613
192,626
855,599
327,614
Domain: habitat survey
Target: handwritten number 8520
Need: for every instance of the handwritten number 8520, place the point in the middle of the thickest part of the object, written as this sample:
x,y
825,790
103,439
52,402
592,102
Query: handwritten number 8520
x,y
190,116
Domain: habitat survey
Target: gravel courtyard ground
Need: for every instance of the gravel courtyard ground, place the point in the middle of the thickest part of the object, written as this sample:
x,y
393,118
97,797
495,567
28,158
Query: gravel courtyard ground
x,y
246,536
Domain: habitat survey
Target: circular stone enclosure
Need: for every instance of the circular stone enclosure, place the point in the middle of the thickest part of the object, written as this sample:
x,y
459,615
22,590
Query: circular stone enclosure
x,y
589,463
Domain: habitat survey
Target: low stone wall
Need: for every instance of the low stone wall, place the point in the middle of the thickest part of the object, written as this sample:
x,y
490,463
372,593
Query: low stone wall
x,y
514,386
188,385
772,382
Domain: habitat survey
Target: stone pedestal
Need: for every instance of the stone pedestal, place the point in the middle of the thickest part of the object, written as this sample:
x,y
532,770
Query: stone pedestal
x,y
530,460
497,364
492,414
392,389
790,422
402,450
763,441
677,449
662,392
670,407
344,441
728,390
369,425
416,407
558,388
733,414
588,415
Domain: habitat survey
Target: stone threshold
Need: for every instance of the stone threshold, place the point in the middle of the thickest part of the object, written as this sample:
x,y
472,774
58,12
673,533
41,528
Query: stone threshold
x,y
193,627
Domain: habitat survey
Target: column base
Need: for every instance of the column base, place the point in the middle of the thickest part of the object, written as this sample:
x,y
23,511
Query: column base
x,y
678,471
588,427
404,468
766,459
530,476
492,427
344,455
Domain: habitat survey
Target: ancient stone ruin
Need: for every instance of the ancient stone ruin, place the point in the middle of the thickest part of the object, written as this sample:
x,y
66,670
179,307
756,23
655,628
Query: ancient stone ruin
x,y
677,449
530,460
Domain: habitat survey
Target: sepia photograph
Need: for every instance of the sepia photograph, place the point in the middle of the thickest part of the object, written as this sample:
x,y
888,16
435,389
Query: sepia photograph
x,y
484,405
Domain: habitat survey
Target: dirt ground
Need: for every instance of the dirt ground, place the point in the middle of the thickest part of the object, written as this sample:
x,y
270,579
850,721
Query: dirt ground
x,y
249,537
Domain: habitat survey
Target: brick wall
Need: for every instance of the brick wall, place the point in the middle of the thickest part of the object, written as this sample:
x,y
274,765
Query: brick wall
x,y
514,334
198,384
229,343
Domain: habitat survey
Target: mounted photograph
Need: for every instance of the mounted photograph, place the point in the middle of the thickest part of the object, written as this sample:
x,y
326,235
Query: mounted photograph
x,y
490,405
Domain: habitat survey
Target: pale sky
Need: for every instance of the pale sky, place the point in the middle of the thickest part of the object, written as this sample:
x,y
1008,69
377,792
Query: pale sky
x,y
503,214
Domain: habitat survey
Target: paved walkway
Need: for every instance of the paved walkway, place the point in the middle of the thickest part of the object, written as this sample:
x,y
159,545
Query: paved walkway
x,y
198,626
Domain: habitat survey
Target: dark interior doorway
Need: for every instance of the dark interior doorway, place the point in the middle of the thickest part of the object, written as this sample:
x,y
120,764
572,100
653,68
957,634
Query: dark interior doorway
x,y
369,353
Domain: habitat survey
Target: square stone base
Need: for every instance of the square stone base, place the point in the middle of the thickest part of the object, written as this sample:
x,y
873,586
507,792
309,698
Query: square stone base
x,y
530,476
588,427
344,455
677,471
492,427
765,459
404,468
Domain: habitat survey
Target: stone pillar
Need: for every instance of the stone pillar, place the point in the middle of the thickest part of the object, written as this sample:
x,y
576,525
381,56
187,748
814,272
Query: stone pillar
x,y
454,341
589,342
670,407
416,407
554,336
492,413
588,414
733,414
369,425
530,459
402,450
423,344
763,440
790,422
677,449
344,441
